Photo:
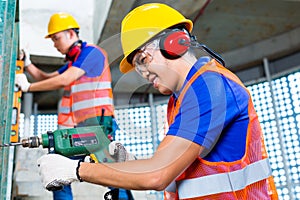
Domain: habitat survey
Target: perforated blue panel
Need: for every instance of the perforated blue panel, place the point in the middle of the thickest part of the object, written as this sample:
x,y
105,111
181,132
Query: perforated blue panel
x,y
44,123
287,101
135,130
162,124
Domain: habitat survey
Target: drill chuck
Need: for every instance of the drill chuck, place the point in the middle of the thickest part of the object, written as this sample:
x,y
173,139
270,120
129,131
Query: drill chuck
x,y
31,142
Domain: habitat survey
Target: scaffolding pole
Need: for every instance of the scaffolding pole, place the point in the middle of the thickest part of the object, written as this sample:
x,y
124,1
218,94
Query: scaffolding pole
x,y
286,168
7,72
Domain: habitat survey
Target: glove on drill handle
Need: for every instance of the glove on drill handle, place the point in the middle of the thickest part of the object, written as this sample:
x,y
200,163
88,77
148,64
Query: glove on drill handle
x,y
57,171
119,152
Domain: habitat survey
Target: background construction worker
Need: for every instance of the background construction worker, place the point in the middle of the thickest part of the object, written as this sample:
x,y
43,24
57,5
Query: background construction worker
x,y
86,78
214,146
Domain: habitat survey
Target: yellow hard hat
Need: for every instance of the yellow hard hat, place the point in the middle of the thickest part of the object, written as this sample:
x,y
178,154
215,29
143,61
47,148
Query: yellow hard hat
x,y
60,22
145,22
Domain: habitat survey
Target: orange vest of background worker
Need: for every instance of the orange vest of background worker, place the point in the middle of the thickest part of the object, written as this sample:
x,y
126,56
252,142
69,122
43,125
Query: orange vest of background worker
x,y
87,98
247,178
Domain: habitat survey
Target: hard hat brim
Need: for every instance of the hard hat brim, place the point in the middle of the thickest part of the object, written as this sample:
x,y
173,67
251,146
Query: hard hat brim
x,y
125,66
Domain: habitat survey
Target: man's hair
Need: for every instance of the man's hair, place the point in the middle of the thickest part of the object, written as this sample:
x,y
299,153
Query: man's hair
x,y
76,30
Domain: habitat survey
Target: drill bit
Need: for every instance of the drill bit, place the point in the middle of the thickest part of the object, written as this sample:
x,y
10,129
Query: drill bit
x,y
30,142
11,144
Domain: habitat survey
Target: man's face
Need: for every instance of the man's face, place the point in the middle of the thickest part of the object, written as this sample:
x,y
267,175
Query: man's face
x,y
154,67
62,41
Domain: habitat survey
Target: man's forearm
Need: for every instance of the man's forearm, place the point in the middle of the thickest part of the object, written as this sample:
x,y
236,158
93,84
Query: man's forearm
x,y
121,176
48,84
38,74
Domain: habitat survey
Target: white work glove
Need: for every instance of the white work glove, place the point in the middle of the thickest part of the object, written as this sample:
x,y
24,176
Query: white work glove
x,y
119,153
57,171
22,82
26,58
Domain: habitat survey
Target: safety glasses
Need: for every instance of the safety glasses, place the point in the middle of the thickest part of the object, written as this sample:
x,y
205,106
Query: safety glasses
x,y
144,56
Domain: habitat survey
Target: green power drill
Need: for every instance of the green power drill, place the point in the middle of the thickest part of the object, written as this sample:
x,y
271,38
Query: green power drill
x,y
90,140
80,141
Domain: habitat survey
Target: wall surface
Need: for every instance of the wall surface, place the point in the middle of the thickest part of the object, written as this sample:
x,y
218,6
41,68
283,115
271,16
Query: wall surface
x,y
35,15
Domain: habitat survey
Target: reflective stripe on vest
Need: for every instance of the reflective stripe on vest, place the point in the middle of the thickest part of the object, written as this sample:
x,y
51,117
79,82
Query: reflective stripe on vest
x,y
91,86
87,104
91,103
225,182
171,187
64,110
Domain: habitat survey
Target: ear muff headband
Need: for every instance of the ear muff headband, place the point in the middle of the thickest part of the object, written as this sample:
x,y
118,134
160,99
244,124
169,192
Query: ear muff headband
x,y
171,44
74,50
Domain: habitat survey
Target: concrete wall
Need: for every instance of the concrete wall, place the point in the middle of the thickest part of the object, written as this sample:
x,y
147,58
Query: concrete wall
x,y
35,14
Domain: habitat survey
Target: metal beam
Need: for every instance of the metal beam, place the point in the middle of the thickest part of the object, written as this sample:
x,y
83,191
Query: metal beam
x,y
274,47
7,72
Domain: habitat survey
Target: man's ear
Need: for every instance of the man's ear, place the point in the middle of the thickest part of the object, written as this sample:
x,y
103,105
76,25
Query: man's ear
x,y
67,34
72,34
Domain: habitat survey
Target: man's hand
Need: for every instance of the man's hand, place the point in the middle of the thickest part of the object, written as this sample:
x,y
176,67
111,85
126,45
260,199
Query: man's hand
x,y
26,57
118,151
57,171
22,82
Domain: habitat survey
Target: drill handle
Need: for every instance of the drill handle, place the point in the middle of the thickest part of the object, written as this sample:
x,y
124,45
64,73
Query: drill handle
x,y
51,147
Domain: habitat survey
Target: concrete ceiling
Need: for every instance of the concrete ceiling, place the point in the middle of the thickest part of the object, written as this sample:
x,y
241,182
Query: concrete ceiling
x,y
243,32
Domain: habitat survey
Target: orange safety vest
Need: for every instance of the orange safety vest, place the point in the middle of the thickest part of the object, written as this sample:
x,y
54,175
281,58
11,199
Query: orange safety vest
x,y
249,178
86,98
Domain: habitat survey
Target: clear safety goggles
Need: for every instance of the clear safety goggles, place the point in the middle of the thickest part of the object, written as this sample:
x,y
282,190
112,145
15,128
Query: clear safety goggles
x,y
144,56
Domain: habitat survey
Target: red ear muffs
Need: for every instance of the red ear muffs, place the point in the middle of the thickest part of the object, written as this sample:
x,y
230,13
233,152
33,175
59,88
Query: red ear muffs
x,y
75,50
172,45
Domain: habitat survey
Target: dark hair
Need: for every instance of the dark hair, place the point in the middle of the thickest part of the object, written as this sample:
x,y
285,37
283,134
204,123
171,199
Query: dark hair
x,y
76,30
131,56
